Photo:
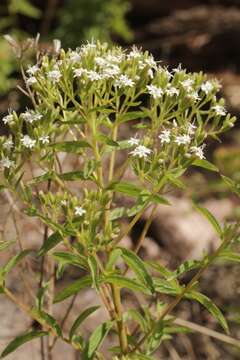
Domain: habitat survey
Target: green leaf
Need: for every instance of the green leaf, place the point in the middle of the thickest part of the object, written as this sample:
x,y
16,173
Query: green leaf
x,y
24,7
185,267
6,244
138,266
213,221
14,261
49,320
117,213
94,271
95,340
38,179
205,164
106,140
80,319
234,186
73,289
114,255
70,146
159,199
70,259
20,340
210,306
166,287
130,116
160,268
126,188
135,315
124,282
71,176
229,255
50,243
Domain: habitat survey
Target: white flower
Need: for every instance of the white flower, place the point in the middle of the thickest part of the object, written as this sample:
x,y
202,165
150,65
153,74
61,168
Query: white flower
x,y
93,75
32,70
100,61
8,144
110,71
31,116
141,151
114,58
133,141
207,87
219,110
191,129
155,91
151,62
75,57
79,72
28,142
8,119
178,69
124,81
134,53
198,151
183,139
193,96
79,211
6,163
150,73
54,75
32,80
187,84
165,136
171,91
44,139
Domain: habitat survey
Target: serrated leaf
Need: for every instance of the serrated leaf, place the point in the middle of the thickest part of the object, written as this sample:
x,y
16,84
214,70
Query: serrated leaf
x,y
95,340
70,146
205,164
210,306
124,282
20,340
209,216
50,243
94,271
13,262
73,289
80,319
126,188
138,266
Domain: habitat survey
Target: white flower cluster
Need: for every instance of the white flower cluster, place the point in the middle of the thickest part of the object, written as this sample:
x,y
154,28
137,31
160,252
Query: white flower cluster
x,y
8,119
28,142
6,163
31,116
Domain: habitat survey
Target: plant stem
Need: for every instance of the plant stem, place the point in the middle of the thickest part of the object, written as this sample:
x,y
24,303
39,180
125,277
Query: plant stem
x,y
121,328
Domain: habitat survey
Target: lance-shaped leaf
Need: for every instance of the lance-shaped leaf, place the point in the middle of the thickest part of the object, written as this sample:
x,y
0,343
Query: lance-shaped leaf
x,y
49,320
72,175
92,263
124,282
71,146
205,164
13,262
188,265
73,289
210,306
229,255
113,257
80,319
66,258
50,243
209,216
126,188
138,266
130,116
95,340
20,340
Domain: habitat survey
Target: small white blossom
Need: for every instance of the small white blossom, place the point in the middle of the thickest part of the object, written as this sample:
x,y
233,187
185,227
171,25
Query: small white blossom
x,y
171,91
100,61
183,139
31,116
191,128
187,84
79,211
151,62
133,141
110,71
8,144
28,142
114,58
219,110
194,96
8,119
198,151
32,70
165,136
207,87
44,139
93,75
124,81
6,163
79,72
155,91
54,75
150,73
75,57
134,53
141,151
32,80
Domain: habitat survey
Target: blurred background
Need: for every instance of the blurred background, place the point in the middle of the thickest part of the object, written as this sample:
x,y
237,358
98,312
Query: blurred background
x,y
202,35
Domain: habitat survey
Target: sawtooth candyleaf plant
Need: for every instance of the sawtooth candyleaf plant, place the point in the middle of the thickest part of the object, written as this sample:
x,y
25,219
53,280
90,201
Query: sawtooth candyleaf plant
x,y
82,103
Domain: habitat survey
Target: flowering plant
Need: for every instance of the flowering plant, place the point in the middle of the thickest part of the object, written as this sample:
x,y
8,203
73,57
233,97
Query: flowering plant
x,y
81,101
